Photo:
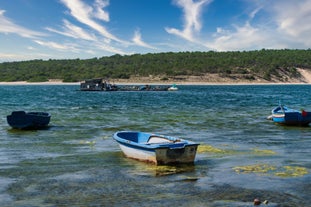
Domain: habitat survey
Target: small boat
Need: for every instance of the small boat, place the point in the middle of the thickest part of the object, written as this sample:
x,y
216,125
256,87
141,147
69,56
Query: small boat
x,y
158,149
287,116
30,120
173,88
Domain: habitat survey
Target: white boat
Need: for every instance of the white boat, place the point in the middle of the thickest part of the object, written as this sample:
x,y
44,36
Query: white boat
x,y
173,88
158,149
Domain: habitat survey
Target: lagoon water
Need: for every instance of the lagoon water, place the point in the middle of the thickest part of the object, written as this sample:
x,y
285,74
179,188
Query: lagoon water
x,y
75,162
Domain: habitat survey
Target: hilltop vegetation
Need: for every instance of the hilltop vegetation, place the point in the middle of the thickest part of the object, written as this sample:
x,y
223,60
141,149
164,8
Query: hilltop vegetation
x,y
268,65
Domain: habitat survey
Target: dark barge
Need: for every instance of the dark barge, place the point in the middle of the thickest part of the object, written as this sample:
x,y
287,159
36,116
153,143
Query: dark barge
x,y
28,120
99,84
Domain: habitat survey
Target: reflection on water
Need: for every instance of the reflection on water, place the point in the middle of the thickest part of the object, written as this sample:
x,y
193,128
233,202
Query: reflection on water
x,y
75,162
151,170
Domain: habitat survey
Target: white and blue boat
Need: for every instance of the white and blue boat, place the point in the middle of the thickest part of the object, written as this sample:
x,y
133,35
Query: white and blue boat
x,y
287,116
158,149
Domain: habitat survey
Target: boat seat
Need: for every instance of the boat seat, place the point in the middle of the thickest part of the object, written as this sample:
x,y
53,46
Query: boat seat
x,y
158,140
16,113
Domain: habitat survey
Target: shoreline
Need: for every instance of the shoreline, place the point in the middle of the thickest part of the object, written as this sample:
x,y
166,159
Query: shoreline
x,y
20,83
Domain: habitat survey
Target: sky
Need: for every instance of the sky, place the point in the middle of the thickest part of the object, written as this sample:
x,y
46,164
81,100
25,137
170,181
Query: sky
x,y
71,29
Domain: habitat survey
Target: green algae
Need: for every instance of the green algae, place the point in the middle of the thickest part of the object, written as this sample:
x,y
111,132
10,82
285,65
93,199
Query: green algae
x,y
204,148
263,152
292,171
258,168
210,149
266,169
86,142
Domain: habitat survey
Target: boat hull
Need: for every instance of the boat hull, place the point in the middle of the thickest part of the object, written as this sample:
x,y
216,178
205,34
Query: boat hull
x,y
31,120
161,156
159,153
173,88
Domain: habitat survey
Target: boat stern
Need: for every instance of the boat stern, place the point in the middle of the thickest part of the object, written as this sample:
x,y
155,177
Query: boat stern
x,y
174,155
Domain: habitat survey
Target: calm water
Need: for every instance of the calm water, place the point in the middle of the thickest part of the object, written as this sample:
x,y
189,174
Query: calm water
x,y
75,162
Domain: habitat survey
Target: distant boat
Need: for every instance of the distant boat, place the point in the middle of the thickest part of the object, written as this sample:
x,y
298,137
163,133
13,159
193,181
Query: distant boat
x,y
173,88
158,149
30,120
287,116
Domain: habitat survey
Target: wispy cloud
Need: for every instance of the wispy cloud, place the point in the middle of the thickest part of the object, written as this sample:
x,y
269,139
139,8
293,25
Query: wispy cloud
x,y
293,18
287,27
138,40
8,26
9,57
243,37
55,45
100,13
73,31
191,16
109,48
283,26
85,14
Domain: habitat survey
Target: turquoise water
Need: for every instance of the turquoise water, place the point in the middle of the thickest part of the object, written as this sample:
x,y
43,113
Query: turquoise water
x,y
75,162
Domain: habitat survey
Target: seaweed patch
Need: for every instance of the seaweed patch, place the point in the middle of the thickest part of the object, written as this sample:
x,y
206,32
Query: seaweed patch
x,y
265,169
211,149
292,171
263,152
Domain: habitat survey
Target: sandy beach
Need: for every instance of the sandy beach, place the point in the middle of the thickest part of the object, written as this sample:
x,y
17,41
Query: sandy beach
x,y
211,80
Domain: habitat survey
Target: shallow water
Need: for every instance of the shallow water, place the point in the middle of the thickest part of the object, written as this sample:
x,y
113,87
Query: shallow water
x,y
75,162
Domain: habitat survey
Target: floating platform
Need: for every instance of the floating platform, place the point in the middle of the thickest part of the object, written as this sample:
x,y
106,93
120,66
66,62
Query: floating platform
x,y
99,84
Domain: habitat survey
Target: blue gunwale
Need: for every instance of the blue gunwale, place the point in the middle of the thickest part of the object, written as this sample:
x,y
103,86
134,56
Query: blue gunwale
x,y
140,142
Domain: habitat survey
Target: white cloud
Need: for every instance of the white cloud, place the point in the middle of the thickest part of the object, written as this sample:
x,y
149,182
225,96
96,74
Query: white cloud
x,y
138,40
87,14
192,23
7,26
73,31
9,57
109,48
30,48
293,19
242,38
84,13
99,12
286,25
54,45
245,35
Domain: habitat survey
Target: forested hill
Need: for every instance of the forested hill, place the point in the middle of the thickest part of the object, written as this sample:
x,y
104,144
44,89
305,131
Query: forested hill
x,y
269,65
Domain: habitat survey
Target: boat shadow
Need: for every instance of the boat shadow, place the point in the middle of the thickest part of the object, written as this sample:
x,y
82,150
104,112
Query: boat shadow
x,y
12,130
151,169
291,126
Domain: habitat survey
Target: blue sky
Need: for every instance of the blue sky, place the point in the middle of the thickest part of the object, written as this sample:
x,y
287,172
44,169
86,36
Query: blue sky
x,y
69,29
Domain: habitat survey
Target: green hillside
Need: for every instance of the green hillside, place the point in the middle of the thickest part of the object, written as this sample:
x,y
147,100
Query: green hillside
x,y
263,64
